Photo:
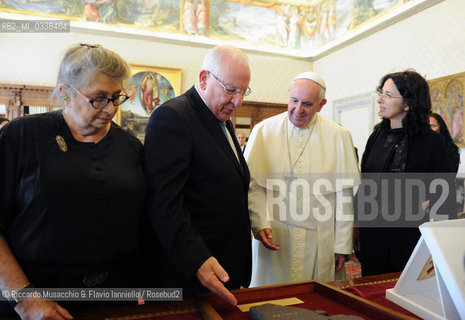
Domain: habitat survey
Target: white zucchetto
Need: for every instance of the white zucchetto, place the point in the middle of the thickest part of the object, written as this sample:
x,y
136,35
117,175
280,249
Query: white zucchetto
x,y
311,76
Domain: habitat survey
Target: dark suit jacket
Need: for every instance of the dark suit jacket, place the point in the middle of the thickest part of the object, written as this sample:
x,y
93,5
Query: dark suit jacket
x,y
197,198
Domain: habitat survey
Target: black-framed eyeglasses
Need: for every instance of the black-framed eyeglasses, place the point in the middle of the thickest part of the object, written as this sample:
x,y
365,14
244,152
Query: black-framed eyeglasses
x,y
102,101
232,91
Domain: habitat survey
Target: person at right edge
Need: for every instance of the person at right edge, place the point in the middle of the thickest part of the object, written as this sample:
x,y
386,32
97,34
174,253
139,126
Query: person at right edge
x,y
453,152
400,147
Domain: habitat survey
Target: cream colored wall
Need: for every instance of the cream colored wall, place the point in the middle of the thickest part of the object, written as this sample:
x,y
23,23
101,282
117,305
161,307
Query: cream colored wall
x,y
431,41
27,58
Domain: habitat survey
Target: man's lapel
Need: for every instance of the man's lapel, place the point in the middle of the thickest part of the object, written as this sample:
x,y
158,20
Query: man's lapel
x,y
211,123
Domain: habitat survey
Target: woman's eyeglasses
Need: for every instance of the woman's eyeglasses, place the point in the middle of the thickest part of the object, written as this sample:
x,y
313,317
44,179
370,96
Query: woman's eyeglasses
x,y
387,95
102,101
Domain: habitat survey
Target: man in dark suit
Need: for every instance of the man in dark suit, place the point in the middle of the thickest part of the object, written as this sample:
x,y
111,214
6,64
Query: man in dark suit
x,y
198,183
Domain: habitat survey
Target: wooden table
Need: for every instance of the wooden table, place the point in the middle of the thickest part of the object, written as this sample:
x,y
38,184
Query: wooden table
x,y
149,308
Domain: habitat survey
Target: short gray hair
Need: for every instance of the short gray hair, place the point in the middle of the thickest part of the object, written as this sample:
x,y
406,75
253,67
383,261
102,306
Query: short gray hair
x,y
322,93
80,60
214,57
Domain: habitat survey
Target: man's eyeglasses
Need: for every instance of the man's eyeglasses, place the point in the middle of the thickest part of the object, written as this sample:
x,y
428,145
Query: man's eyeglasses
x,y
102,101
232,91
387,95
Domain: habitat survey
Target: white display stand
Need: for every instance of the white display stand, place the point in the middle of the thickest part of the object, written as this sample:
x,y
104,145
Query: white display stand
x,y
441,296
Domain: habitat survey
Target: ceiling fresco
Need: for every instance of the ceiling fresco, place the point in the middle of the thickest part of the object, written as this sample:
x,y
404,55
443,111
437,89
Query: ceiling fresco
x,y
295,27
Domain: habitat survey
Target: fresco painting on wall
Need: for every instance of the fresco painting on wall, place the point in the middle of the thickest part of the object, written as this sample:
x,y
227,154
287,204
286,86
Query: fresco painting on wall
x,y
149,88
161,14
71,8
271,23
447,100
289,24
238,21
196,17
366,9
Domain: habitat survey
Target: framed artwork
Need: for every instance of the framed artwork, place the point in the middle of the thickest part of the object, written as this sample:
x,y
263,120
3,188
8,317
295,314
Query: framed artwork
x,y
447,101
149,88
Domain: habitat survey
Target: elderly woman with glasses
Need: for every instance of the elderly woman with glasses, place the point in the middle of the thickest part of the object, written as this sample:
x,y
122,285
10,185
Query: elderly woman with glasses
x,y
72,190
401,150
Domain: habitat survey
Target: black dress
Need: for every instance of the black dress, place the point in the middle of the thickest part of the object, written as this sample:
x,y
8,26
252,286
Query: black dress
x,y
70,211
391,154
454,158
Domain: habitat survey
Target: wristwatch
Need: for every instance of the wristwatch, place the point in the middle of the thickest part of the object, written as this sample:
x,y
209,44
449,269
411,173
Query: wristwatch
x,y
16,295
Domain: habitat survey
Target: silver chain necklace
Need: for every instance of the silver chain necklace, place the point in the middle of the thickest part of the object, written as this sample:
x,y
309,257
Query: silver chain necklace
x,y
290,175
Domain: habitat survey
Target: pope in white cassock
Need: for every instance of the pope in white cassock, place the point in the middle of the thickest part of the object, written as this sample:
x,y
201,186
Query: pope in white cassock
x,y
303,169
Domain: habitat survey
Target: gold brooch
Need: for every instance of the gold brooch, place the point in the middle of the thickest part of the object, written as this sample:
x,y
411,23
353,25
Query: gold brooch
x,y
61,143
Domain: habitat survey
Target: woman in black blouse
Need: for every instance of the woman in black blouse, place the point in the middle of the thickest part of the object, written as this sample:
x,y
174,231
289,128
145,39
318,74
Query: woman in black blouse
x,y
402,143
437,124
72,190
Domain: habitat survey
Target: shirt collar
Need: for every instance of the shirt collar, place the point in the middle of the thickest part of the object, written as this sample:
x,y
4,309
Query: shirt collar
x,y
200,94
208,107
201,97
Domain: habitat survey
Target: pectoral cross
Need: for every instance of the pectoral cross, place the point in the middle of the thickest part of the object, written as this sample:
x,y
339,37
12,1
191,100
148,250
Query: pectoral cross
x,y
289,177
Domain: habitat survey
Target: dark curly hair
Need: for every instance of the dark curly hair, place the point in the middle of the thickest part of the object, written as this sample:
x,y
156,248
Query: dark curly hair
x,y
415,94
444,132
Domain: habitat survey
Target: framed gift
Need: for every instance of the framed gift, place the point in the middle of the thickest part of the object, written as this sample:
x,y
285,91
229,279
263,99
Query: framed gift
x,y
433,281
148,88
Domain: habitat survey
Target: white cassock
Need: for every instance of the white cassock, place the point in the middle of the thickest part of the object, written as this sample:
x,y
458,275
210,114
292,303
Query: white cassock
x,y
301,187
